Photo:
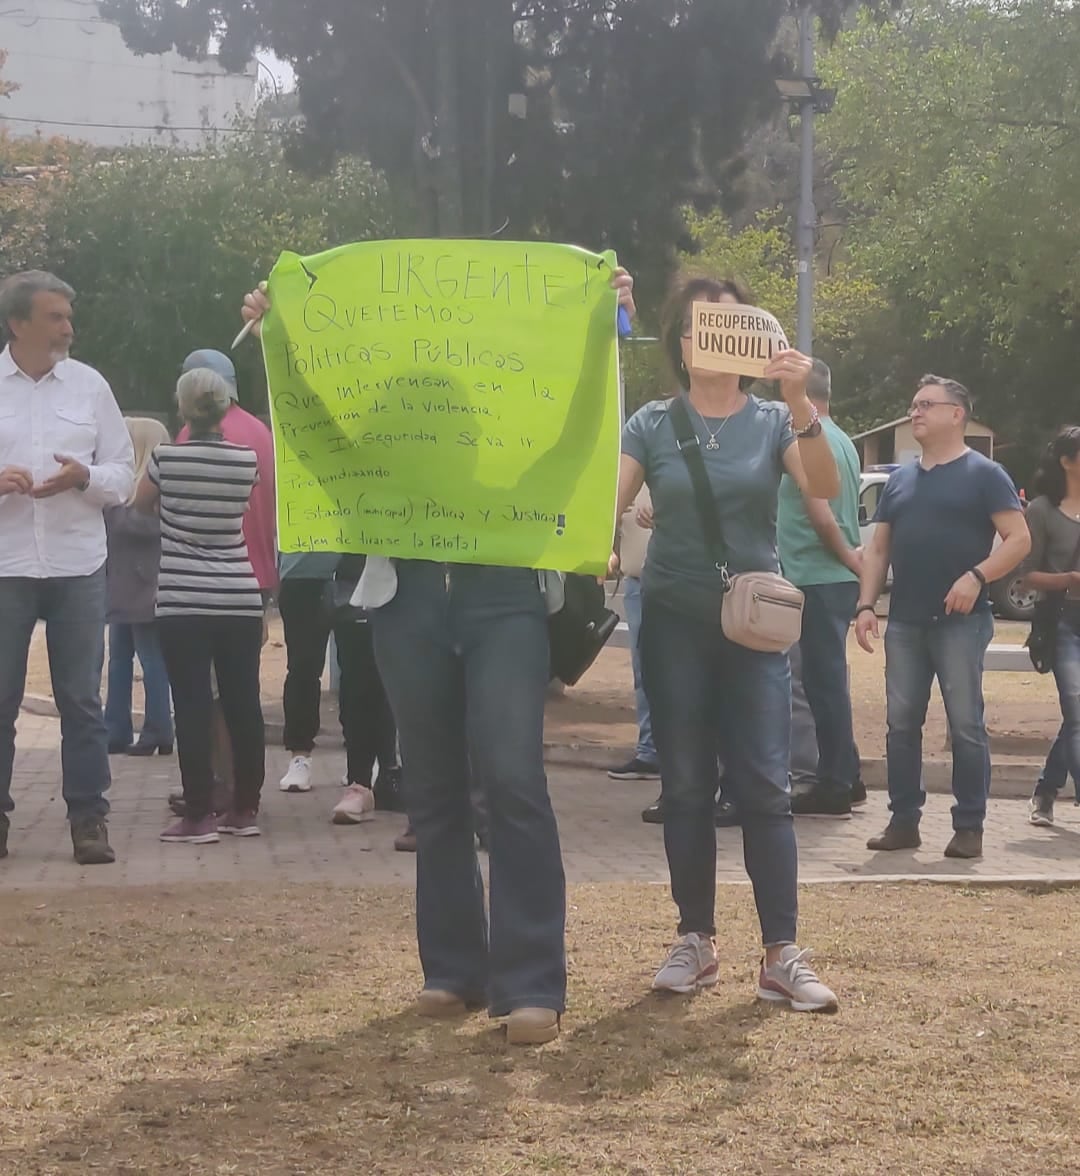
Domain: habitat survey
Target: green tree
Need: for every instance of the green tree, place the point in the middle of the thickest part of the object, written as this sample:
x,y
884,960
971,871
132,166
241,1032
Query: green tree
x,y
956,151
161,246
633,107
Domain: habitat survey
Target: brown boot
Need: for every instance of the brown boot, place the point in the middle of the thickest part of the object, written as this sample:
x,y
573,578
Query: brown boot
x,y
896,837
90,837
406,843
966,843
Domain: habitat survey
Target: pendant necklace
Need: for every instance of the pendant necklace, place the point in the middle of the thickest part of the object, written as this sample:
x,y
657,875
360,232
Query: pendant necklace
x,y
712,442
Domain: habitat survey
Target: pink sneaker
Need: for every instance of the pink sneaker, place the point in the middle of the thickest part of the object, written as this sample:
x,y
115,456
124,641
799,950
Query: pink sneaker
x,y
357,804
239,824
202,832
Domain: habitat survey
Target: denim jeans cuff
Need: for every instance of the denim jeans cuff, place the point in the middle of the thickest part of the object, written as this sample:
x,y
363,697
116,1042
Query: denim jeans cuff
x,y
504,1008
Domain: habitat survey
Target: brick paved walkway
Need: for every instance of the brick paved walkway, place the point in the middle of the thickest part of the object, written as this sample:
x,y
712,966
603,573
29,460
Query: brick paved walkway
x,y
603,837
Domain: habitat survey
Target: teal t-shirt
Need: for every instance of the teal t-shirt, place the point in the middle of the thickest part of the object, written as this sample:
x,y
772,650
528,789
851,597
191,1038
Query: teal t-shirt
x,y
803,556
308,565
744,473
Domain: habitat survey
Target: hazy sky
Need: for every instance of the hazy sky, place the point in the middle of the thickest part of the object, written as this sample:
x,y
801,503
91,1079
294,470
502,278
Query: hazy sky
x,y
281,70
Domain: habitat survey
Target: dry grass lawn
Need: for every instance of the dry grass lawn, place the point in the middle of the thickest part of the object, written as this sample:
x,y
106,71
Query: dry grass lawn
x,y
268,1032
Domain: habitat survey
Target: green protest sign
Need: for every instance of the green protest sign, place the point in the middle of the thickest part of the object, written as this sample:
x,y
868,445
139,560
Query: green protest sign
x,y
448,400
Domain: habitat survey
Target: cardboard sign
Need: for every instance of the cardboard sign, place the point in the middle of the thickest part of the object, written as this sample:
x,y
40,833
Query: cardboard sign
x,y
731,338
455,401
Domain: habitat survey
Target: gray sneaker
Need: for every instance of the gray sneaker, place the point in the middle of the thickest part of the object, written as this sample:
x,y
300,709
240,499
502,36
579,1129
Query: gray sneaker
x,y
1041,810
792,981
691,964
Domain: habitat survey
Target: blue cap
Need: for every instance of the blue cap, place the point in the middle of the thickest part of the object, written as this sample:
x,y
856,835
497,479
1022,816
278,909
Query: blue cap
x,y
216,361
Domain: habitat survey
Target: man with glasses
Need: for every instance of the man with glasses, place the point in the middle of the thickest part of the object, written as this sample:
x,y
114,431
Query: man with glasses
x,y
936,523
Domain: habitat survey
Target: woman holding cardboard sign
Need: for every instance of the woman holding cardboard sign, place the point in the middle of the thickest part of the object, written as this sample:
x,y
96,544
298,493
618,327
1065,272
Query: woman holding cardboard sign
x,y
464,654
713,456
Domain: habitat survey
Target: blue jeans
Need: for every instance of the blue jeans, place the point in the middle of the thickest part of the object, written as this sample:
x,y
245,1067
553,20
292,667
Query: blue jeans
x,y
705,693
952,649
1064,757
125,641
827,615
73,609
646,747
464,658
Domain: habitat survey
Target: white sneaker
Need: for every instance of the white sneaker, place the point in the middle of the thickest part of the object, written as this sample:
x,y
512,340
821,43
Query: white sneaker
x,y
356,805
691,964
792,981
298,777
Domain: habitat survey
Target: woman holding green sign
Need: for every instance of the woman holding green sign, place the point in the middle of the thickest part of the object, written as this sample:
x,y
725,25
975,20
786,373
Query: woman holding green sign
x,y
713,456
464,655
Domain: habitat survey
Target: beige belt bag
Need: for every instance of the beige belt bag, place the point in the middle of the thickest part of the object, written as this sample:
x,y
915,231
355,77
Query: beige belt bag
x,y
762,611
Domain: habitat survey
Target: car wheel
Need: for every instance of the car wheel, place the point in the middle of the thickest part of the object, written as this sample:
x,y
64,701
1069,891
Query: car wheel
x,y
1011,599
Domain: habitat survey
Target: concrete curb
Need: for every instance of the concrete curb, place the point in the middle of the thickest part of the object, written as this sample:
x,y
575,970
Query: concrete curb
x,y
1014,779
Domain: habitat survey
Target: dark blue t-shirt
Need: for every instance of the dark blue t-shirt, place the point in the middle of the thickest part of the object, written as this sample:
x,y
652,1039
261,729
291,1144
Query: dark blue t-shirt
x,y
941,528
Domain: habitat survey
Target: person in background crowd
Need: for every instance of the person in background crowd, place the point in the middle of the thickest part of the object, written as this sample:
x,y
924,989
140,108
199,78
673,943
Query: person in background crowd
x,y
209,606
820,553
239,427
131,586
306,624
366,719
1054,521
936,522
704,690
65,455
633,546
465,656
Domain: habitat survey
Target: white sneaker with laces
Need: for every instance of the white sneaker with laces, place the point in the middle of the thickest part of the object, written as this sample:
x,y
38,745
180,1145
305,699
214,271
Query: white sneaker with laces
x,y
357,804
298,777
792,981
691,964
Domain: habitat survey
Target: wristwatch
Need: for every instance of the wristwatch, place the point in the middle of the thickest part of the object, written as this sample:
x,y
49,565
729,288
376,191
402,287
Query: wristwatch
x,y
978,576
85,485
865,608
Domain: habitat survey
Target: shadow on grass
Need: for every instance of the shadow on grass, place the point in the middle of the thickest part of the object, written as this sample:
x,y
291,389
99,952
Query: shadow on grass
x,y
401,1088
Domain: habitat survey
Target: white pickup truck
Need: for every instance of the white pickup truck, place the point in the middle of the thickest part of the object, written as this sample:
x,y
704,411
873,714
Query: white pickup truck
x,y
1011,600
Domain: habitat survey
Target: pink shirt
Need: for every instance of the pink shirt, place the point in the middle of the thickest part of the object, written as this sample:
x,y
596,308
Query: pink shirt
x,y
241,428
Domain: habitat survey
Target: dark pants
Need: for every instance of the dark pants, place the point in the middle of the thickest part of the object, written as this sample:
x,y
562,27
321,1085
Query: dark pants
x,y
232,645
73,609
1064,757
367,721
706,692
466,669
952,649
827,616
307,630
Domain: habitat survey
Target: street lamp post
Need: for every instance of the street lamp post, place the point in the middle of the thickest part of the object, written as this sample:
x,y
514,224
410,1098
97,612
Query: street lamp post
x,y
806,93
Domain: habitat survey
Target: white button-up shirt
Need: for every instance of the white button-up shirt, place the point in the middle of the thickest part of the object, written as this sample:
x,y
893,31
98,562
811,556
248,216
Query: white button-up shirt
x,y
71,412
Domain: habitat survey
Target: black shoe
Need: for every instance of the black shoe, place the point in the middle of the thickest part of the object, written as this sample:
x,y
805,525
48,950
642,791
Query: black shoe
x,y
896,837
820,801
858,794
5,824
654,814
966,843
727,814
90,839
636,769
141,748
388,798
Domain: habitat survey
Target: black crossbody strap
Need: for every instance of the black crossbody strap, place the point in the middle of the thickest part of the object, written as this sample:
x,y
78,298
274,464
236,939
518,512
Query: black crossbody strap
x,y
690,447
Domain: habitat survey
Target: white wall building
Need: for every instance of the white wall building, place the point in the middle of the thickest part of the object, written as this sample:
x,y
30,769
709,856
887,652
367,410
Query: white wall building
x,y
78,79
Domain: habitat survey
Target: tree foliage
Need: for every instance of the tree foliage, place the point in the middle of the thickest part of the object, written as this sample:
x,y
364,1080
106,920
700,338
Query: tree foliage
x,y
956,148
634,107
161,245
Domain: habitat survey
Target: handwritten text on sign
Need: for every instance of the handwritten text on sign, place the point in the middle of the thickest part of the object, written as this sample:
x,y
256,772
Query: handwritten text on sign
x,y
448,400
732,338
